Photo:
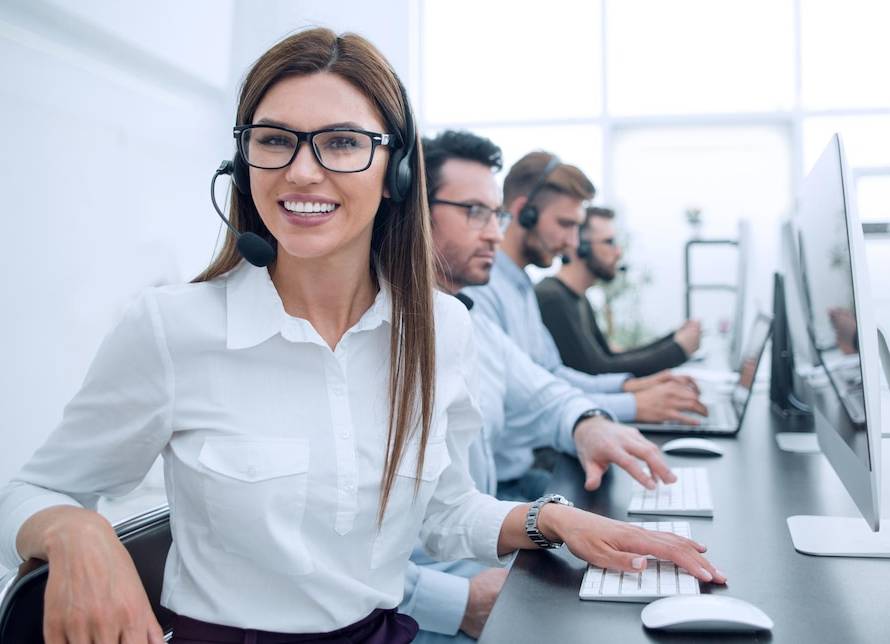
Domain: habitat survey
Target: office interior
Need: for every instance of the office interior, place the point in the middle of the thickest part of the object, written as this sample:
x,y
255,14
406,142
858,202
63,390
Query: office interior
x,y
695,119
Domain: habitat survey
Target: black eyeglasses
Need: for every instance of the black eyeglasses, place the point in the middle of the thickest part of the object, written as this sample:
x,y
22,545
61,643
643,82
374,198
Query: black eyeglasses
x,y
338,149
479,215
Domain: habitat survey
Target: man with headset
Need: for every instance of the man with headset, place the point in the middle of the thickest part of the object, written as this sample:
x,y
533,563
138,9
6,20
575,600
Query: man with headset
x,y
569,317
547,198
516,395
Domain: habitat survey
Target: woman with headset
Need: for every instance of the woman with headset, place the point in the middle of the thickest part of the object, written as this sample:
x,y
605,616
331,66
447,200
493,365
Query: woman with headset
x,y
314,416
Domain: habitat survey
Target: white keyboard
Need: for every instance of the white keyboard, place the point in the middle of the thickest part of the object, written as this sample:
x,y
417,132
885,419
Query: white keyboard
x,y
721,415
689,496
659,579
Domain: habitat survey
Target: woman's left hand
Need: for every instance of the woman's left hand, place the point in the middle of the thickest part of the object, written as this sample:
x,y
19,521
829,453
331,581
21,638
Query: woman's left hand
x,y
618,545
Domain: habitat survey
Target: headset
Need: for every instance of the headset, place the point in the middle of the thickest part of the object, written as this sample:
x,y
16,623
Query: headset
x,y
399,179
585,248
528,214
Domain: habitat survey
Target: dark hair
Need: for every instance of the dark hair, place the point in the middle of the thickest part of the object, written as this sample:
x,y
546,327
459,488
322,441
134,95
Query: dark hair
x,y
564,179
456,144
401,243
597,211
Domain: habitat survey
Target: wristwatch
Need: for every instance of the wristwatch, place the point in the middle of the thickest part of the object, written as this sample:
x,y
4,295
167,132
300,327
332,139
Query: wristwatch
x,y
592,413
531,520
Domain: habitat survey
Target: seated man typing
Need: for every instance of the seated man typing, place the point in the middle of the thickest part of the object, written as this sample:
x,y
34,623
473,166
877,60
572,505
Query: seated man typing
x,y
517,396
568,316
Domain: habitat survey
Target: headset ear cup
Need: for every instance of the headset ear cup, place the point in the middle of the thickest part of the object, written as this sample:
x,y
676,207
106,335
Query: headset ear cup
x,y
584,249
404,177
528,216
398,177
241,174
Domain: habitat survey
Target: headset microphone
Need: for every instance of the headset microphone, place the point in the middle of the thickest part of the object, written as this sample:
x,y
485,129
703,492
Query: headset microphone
x,y
252,247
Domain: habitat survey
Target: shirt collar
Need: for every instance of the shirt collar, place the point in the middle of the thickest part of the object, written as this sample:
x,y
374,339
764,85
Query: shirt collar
x,y
511,271
255,313
466,300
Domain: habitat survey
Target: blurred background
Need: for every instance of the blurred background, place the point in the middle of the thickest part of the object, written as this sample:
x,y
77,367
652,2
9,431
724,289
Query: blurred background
x,y
116,114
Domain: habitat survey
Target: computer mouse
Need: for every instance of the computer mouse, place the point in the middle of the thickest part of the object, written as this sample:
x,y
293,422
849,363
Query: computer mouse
x,y
705,613
696,446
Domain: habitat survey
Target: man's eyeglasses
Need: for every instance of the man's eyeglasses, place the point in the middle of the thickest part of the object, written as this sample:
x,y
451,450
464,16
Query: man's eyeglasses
x,y
479,215
338,149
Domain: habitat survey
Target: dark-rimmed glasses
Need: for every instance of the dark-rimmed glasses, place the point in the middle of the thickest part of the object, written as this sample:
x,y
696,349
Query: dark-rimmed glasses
x,y
338,149
479,215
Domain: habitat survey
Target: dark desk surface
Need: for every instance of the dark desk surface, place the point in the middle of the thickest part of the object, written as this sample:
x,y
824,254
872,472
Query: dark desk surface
x,y
755,486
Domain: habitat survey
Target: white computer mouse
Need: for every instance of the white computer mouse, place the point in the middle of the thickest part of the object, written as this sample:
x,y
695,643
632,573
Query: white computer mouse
x,y
696,446
705,613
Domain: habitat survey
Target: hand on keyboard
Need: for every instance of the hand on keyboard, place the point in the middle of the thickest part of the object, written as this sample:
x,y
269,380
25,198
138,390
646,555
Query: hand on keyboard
x,y
621,546
633,385
601,442
658,579
668,401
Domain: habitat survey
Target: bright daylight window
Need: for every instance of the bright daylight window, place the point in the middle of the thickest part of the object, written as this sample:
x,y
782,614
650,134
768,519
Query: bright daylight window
x,y
669,105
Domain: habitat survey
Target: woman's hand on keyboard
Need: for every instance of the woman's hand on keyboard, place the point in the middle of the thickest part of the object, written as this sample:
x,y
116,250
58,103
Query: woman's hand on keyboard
x,y
600,442
617,545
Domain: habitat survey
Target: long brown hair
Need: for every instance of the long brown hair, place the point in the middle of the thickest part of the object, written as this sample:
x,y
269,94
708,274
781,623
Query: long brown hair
x,y
400,242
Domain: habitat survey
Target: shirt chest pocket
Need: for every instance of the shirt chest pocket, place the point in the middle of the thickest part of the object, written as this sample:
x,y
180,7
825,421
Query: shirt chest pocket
x,y
405,511
255,492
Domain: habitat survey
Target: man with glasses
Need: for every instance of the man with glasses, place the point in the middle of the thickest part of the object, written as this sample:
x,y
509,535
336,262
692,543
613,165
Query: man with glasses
x,y
516,396
569,317
547,200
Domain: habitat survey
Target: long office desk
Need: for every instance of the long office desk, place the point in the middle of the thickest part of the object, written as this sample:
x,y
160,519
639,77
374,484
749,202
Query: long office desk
x,y
755,486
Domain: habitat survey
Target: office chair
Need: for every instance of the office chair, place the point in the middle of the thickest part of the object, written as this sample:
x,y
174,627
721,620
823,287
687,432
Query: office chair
x,y
146,537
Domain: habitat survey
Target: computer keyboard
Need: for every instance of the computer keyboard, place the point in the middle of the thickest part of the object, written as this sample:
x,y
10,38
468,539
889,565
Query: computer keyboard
x,y
689,496
659,579
720,414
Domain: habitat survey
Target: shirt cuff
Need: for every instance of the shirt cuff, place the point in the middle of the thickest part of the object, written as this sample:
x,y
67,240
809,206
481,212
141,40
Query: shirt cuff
x,y
439,601
622,406
487,530
31,501
613,383
572,411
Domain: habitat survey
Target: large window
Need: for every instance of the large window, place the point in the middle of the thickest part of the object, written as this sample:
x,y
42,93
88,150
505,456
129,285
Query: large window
x,y
670,105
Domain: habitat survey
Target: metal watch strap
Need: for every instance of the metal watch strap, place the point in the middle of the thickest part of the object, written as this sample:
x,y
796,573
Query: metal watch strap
x,y
592,413
531,520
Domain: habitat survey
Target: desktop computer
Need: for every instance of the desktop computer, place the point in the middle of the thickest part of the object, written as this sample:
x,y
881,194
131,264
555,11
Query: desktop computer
x,y
784,386
837,308
737,338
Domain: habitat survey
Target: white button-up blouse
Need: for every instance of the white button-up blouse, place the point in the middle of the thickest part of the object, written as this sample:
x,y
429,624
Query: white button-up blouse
x,y
273,449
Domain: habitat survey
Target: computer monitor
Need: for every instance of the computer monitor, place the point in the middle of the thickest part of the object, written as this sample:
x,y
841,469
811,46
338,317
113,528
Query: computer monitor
x,y
737,339
804,354
841,328
785,388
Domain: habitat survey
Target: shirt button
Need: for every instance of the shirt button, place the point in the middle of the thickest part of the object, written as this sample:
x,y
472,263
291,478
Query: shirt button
x,y
344,435
338,390
349,487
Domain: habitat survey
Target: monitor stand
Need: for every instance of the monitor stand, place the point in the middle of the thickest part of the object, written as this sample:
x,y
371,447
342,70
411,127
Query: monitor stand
x,y
838,537
845,536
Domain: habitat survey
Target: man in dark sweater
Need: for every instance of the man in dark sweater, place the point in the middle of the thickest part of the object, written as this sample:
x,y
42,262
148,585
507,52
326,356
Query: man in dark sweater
x,y
571,320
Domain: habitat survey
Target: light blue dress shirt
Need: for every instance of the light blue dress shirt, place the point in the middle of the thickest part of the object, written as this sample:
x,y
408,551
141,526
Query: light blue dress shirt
x,y
509,301
523,406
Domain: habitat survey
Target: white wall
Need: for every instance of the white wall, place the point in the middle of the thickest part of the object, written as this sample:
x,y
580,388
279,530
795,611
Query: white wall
x,y
115,116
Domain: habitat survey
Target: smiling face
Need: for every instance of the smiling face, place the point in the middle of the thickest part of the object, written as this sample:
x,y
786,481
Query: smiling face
x,y
313,212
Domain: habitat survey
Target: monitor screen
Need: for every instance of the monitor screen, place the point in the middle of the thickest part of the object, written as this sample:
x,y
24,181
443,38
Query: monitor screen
x,y
828,284
755,343
839,323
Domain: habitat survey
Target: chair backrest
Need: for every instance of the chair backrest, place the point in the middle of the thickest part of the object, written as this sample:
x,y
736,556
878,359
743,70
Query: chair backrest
x,y
147,539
